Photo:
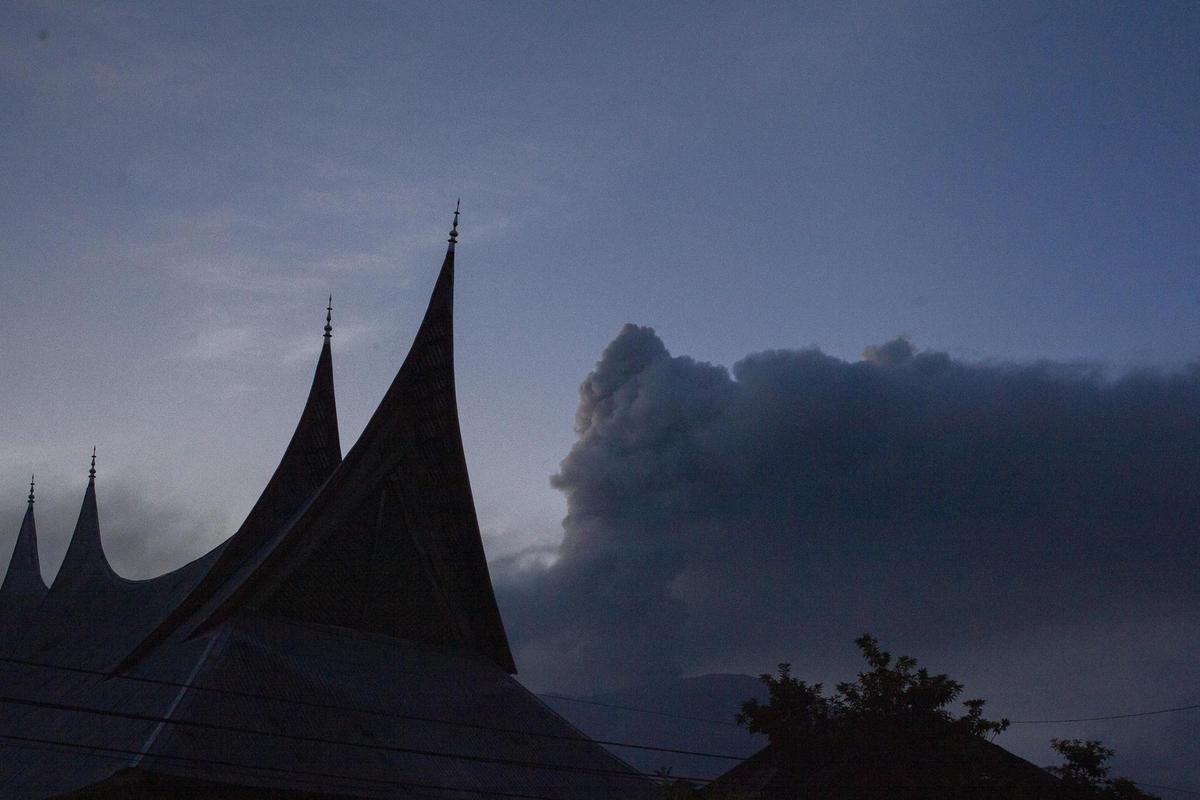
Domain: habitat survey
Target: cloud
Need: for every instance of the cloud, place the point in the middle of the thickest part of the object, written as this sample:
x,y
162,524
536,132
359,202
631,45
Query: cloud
x,y
890,353
145,539
142,538
731,519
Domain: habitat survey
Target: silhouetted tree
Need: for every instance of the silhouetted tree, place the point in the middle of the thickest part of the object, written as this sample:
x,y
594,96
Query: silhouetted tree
x,y
893,697
889,733
793,710
1085,771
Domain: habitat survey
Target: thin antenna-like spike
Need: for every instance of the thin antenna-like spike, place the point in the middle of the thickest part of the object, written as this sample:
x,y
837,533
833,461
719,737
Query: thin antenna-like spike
x,y
30,490
329,318
92,471
454,228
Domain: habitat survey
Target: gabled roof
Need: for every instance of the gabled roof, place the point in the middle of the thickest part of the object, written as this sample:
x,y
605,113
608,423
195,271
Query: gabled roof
x,y
349,627
24,576
23,587
312,454
85,569
867,768
271,703
91,616
391,543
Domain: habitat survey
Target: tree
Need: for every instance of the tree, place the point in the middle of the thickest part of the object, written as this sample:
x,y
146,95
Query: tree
x,y
889,734
892,697
1085,771
794,708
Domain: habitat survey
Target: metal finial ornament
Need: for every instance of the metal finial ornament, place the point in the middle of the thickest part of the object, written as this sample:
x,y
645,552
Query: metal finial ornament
x,y
329,318
454,228
30,490
92,471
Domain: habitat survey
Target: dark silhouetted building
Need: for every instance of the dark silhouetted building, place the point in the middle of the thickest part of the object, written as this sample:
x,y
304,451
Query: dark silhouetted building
x,y
343,642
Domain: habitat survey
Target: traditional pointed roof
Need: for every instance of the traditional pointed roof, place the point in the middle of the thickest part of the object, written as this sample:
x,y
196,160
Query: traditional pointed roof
x,y
91,616
85,569
312,454
391,544
376,652
24,575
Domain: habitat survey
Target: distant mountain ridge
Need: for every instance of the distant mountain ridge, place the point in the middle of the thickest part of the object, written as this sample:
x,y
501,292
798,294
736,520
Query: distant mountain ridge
x,y
694,713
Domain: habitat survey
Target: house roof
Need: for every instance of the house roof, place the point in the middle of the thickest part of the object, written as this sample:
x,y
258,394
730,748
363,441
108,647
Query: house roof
x,y
971,767
346,639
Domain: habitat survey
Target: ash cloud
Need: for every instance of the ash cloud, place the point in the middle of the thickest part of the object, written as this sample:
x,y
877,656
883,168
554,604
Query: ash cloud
x,y
725,519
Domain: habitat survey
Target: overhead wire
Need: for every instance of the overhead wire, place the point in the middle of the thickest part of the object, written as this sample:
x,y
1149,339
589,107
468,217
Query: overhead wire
x,y
434,720
550,695
369,711
534,734
47,705
1105,718
249,770
1166,788
123,754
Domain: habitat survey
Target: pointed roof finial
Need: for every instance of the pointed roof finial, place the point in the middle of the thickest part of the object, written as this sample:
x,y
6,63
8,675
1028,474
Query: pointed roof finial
x,y
92,471
30,490
329,318
454,228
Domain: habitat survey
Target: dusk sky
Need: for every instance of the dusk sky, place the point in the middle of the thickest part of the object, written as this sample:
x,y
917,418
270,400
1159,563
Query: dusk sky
x,y
1011,187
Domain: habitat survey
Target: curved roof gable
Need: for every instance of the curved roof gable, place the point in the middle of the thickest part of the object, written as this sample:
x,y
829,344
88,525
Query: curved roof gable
x,y
24,575
391,544
311,456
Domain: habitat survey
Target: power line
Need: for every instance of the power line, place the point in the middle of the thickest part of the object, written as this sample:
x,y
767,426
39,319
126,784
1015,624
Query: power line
x,y
534,734
508,762
1102,719
122,754
1166,788
1011,722
373,711
442,754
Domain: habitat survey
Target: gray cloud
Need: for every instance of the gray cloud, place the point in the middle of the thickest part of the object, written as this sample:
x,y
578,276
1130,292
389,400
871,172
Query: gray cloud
x,y
142,538
728,520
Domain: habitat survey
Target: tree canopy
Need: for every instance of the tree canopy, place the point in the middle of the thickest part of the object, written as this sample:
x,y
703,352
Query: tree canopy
x,y
1085,771
892,696
893,732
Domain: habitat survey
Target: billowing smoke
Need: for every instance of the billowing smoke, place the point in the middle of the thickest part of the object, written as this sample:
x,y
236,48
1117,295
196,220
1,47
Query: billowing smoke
x,y
729,520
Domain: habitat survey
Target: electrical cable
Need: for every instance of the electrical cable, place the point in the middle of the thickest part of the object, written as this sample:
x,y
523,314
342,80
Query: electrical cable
x,y
369,711
213,726
1102,719
434,720
122,754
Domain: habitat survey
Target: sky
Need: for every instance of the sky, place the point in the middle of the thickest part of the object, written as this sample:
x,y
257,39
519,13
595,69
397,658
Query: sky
x,y
770,194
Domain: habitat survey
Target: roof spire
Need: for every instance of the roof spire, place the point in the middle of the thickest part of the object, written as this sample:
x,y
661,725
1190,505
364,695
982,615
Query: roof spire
x,y
92,471
329,318
454,228
24,575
